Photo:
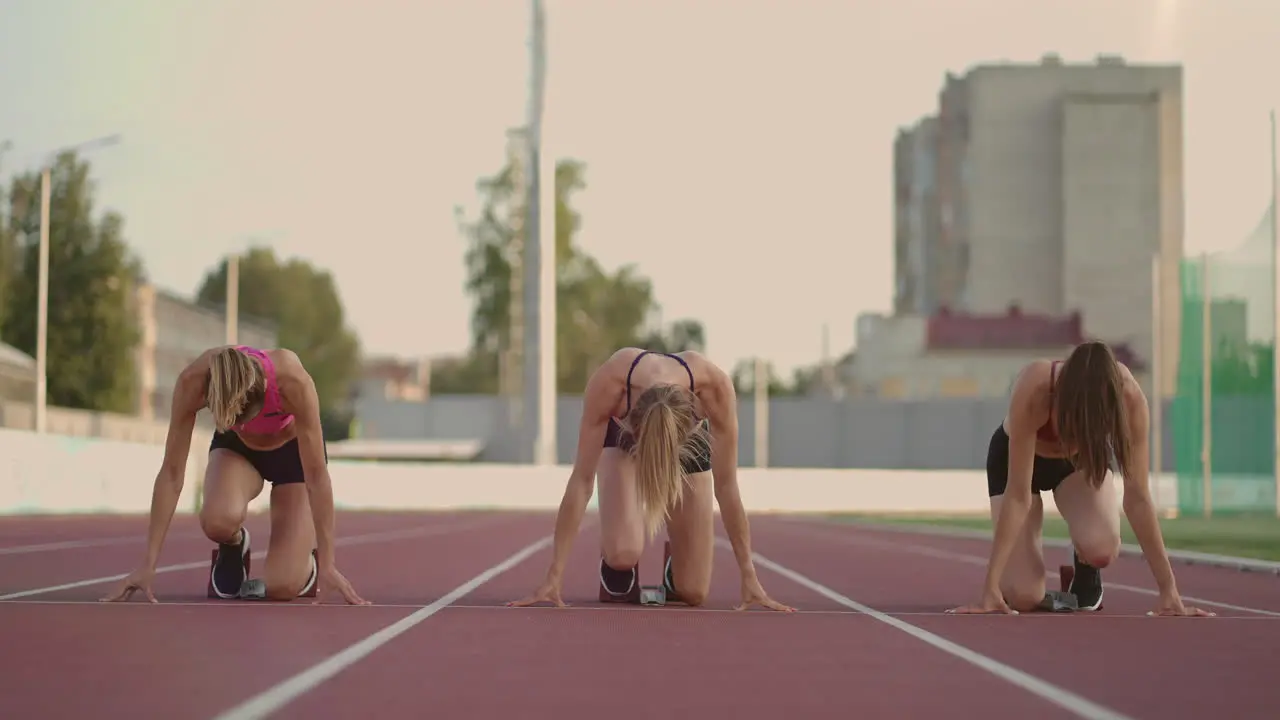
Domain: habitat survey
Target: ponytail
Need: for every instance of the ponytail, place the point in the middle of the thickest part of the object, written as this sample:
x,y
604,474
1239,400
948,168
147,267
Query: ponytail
x,y
667,435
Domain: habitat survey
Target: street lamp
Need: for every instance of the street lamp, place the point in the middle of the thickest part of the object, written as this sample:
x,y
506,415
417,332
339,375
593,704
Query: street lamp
x,y
42,298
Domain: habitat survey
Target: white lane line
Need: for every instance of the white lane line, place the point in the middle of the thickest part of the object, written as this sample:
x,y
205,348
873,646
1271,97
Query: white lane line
x,y
980,561
679,609
76,544
1075,704
341,542
280,695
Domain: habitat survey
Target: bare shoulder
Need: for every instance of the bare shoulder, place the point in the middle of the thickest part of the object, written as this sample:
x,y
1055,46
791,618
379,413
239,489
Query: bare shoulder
x,y
291,374
1133,395
606,385
1029,400
705,372
193,382
286,362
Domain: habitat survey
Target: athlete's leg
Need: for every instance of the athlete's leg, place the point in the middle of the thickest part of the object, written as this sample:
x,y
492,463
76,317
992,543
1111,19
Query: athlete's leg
x,y
1093,520
290,567
621,525
691,530
1022,583
230,483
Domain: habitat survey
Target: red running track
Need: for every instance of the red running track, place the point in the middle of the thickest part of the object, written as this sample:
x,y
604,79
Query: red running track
x,y
870,641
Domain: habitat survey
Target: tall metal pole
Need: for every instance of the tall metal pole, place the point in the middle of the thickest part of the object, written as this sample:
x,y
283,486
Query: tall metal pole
x,y
42,304
1275,291
233,299
762,412
1206,389
42,283
540,270
547,396
1157,383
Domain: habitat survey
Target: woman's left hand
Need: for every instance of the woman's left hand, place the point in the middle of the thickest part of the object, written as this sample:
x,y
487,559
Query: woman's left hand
x,y
331,579
1171,605
754,594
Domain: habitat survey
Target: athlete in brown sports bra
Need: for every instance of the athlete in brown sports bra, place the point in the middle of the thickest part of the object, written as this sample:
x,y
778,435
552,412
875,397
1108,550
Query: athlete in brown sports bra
x,y
661,461
1067,422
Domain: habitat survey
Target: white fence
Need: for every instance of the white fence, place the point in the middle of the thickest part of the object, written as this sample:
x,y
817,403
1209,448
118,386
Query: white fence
x,y
61,474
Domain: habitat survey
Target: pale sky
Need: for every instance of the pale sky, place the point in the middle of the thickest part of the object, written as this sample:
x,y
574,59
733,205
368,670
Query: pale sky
x,y
739,151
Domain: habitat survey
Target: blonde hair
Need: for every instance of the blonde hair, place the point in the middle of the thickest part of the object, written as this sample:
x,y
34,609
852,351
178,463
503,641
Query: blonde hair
x,y
235,382
666,434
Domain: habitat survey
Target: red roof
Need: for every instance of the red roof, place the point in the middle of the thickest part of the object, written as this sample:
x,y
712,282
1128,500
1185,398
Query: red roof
x,y
1014,330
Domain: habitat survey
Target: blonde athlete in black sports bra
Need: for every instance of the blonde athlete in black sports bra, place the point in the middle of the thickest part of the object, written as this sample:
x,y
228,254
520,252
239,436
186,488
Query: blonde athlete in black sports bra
x,y
661,460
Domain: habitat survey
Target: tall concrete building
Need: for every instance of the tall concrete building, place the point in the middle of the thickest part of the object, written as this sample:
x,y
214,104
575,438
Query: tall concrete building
x,y
916,219
1056,184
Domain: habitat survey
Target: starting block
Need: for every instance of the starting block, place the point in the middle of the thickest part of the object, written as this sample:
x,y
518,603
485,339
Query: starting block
x,y
653,595
1058,602
256,588
631,596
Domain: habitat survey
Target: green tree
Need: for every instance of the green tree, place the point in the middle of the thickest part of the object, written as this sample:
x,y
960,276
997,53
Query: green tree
x,y
680,336
92,330
597,311
8,241
304,303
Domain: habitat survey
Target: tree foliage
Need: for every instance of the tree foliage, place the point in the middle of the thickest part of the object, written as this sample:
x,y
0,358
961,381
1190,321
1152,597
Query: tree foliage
x,y
304,304
597,311
92,330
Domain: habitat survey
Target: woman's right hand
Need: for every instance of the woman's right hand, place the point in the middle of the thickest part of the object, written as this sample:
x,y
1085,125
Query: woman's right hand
x,y
139,579
992,602
549,591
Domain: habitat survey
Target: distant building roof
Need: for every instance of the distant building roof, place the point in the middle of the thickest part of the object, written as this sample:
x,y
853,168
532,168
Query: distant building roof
x,y
13,357
1014,330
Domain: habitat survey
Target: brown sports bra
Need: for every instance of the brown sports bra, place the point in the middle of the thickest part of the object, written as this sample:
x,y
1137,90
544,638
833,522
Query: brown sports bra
x,y
1047,431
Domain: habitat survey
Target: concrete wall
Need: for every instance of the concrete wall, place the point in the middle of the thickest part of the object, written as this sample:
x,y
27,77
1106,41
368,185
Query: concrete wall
x,y
940,433
57,474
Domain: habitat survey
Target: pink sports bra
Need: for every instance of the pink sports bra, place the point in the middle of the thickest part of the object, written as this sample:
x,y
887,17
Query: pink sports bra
x,y
271,419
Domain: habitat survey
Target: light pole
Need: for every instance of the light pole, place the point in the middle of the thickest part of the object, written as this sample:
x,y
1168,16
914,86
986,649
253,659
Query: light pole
x,y
233,298
42,297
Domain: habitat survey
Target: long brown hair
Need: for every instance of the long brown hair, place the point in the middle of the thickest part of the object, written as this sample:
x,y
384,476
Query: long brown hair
x,y
666,430
236,383
1093,421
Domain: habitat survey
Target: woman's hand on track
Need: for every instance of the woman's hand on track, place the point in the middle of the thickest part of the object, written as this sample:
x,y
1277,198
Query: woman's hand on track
x,y
548,592
139,579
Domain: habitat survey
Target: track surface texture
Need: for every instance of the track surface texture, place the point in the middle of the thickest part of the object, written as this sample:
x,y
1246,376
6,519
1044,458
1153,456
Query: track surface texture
x,y
870,640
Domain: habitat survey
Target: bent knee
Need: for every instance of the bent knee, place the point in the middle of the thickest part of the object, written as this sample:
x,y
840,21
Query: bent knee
x,y
1099,554
622,555
219,525
1025,599
693,597
283,590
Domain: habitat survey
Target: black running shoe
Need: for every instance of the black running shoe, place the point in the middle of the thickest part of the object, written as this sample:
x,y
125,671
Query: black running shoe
x,y
668,579
311,579
617,582
229,571
1086,585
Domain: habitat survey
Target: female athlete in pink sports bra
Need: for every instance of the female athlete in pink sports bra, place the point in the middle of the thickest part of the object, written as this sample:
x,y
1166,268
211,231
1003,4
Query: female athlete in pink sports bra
x,y
1068,422
267,429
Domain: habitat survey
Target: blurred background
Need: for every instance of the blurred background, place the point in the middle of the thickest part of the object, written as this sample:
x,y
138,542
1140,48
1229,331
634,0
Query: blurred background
x,y
873,214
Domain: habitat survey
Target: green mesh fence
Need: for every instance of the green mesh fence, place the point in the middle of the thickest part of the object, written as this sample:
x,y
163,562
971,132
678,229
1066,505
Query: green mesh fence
x,y
1237,288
